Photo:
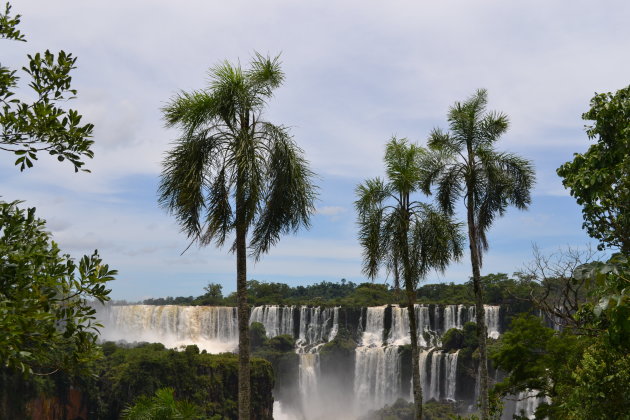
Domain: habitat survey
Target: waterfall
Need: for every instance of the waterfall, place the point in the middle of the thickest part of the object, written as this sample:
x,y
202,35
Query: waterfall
x,y
377,376
492,320
278,320
434,384
527,402
451,316
399,331
335,324
308,373
451,375
212,328
423,322
374,325
422,363
377,359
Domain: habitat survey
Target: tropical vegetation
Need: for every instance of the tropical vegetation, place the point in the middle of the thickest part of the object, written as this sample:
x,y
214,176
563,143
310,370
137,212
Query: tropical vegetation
x,y
405,236
232,172
466,165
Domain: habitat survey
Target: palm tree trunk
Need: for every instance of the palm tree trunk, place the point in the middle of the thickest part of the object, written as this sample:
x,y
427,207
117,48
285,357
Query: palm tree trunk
x,y
244,385
480,314
415,354
411,300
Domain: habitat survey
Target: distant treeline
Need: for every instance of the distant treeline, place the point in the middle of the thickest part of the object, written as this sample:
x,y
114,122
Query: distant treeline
x,y
500,289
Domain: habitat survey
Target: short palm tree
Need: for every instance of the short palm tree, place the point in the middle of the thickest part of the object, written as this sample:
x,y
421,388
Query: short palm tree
x,y
233,172
465,165
405,237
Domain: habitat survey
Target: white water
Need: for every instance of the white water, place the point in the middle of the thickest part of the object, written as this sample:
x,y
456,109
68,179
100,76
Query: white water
x,y
451,375
278,320
399,331
492,321
527,402
308,381
211,328
377,366
377,376
374,326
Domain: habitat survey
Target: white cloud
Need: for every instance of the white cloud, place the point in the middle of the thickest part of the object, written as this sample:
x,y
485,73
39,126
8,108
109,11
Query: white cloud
x,y
356,73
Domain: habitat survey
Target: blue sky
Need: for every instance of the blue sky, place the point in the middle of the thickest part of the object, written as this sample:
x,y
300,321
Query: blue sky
x,y
356,73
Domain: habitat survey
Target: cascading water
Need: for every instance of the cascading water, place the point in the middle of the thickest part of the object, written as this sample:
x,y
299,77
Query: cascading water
x,y
399,331
377,376
451,375
277,320
492,320
212,328
374,325
377,364
308,374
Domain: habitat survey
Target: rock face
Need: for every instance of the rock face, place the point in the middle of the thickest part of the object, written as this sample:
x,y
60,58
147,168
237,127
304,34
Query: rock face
x,y
74,406
350,360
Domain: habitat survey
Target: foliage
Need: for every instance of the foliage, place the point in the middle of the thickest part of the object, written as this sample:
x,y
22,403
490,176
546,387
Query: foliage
x,y
257,335
611,283
213,295
601,385
402,410
465,165
232,172
453,339
227,150
46,321
406,237
205,380
599,179
583,376
502,290
161,406
43,125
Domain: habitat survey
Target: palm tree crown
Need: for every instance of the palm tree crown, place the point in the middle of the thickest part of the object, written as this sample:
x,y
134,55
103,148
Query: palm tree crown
x,y
231,171
228,156
405,236
465,165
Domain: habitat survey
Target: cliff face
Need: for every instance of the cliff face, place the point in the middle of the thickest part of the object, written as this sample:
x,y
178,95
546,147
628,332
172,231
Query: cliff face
x,y
209,381
72,407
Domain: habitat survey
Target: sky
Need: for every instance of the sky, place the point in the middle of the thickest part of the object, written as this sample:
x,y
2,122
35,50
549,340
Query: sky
x,y
357,73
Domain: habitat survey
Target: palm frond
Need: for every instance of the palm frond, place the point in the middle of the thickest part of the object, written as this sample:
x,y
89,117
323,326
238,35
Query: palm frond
x,y
403,164
183,179
219,215
291,192
265,74
190,110
449,187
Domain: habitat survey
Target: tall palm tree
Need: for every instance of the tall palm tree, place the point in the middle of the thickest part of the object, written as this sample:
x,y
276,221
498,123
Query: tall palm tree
x,y
405,237
465,165
233,172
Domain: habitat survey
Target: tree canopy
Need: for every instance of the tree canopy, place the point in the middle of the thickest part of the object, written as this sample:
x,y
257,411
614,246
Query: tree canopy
x,y
43,125
599,179
232,172
465,165
46,320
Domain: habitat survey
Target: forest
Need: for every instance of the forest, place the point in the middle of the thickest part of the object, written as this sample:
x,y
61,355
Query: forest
x,y
551,340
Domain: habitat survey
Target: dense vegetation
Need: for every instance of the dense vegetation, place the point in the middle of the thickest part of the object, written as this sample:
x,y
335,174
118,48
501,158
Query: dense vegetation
x,y
52,367
501,289
125,376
